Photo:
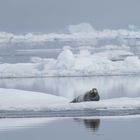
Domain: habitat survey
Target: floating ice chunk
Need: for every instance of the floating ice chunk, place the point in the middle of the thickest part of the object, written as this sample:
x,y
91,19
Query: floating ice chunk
x,y
132,64
36,59
115,55
133,28
65,59
115,47
110,62
84,52
82,27
83,63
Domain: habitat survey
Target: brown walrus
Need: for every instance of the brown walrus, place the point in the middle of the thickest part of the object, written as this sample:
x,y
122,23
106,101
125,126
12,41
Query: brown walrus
x,y
91,95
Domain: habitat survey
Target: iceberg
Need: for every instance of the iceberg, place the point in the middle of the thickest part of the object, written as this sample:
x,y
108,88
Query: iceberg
x,y
81,28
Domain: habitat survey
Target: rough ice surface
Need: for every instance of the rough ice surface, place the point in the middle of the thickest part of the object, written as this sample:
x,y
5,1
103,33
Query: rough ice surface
x,y
80,32
90,59
84,63
11,99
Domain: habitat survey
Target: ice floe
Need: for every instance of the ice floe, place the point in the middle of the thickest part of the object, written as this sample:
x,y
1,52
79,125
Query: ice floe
x,y
85,63
80,32
18,100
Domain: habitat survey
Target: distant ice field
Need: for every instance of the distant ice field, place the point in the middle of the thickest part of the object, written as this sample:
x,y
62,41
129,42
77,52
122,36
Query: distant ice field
x,y
78,36
80,51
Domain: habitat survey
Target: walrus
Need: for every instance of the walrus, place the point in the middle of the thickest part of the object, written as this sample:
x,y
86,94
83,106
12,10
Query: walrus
x,y
91,95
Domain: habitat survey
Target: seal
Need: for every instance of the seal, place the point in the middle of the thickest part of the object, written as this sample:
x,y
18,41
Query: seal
x,y
91,95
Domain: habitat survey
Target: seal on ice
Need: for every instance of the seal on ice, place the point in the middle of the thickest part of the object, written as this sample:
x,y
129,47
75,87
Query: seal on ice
x,y
91,95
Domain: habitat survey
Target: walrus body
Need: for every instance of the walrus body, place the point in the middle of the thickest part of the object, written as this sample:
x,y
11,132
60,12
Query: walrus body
x,y
91,95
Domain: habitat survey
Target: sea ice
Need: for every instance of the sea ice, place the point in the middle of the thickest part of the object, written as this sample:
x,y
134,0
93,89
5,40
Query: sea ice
x,y
85,63
18,100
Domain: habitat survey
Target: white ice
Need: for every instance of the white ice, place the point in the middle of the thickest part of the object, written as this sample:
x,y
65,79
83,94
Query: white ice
x,y
80,32
108,60
18,99
85,63
11,99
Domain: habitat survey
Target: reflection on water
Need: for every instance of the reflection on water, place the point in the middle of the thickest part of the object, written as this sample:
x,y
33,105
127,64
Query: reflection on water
x,y
25,123
70,87
69,128
92,124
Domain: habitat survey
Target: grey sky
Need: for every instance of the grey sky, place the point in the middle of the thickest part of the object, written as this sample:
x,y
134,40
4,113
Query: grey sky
x,y
52,15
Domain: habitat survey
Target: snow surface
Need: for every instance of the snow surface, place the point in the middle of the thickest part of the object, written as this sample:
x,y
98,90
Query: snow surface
x,y
11,99
85,63
18,99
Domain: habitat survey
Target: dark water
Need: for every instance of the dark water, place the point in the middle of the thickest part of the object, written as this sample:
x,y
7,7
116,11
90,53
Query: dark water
x,y
108,86
71,128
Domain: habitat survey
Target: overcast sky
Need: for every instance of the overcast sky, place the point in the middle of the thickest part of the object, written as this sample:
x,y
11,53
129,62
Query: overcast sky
x,y
20,16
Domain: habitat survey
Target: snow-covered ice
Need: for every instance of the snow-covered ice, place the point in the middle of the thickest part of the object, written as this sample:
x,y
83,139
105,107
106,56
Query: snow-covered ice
x,y
80,32
85,63
18,100
11,99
